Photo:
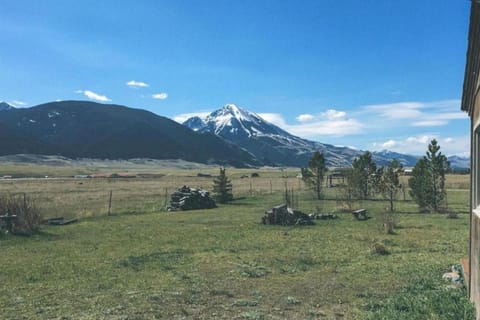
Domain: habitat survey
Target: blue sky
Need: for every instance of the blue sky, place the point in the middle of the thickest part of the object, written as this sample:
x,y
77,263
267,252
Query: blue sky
x,y
372,74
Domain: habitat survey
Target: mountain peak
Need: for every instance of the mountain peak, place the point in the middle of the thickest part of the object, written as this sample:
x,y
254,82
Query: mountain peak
x,y
235,123
232,110
6,106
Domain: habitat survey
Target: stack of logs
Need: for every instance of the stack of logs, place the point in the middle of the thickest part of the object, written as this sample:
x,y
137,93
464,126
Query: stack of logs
x,y
323,216
285,216
186,198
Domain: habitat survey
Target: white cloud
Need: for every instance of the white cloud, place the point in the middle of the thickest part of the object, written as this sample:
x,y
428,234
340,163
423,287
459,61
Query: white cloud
x,y
424,114
18,103
429,123
389,144
387,108
94,96
336,128
420,139
137,84
160,96
275,118
332,114
451,116
418,144
317,127
305,117
181,118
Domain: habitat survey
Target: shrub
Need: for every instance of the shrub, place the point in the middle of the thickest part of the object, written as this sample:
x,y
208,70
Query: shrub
x,y
424,297
28,215
380,249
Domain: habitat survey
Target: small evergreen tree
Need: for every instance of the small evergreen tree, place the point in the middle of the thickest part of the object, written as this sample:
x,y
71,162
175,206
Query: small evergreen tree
x,y
363,178
314,173
390,182
420,183
427,183
222,188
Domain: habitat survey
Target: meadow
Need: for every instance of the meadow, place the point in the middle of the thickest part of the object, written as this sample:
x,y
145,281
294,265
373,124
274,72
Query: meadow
x,y
142,262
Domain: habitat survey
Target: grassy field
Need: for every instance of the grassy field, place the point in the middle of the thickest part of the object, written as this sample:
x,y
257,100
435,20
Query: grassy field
x,y
145,263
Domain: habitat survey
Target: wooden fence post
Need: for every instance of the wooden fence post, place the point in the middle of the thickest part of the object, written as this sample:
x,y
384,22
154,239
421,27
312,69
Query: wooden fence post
x,y
166,198
110,202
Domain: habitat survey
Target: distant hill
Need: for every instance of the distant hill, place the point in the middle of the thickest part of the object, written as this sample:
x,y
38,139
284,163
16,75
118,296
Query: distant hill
x,y
385,156
81,129
457,162
4,106
273,145
230,135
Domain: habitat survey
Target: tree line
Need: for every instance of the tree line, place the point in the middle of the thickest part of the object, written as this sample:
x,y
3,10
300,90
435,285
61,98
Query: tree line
x,y
365,180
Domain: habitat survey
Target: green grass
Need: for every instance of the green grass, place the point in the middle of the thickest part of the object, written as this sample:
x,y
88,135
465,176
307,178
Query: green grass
x,y
224,264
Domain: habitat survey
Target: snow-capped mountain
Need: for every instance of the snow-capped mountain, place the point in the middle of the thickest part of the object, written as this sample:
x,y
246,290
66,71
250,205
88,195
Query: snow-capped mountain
x,y
5,106
273,145
234,123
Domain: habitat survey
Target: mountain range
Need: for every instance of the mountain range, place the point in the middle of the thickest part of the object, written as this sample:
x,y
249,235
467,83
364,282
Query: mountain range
x,y
80,129
230,135
273,145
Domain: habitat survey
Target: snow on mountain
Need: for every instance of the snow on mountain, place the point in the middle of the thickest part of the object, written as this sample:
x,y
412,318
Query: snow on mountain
x,y
269,143
235,123
194,123
272,145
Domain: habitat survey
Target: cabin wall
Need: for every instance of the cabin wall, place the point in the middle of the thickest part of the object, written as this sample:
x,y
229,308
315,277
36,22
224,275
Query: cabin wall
x,y
474,285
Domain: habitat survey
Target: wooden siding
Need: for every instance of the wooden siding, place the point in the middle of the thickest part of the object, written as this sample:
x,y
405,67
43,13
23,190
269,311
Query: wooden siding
x,y
471,81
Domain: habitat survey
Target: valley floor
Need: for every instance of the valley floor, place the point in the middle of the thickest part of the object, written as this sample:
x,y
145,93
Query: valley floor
x,y
223,264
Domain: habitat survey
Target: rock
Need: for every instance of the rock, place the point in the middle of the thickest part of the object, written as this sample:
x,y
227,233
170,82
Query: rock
x,y
451,276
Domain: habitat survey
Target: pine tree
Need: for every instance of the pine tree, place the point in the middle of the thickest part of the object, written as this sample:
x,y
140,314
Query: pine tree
x,y
314,173
364,176
420,183
427,183
222,188
439,166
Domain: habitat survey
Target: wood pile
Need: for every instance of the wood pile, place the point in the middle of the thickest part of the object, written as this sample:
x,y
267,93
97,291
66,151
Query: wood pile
x,y
323,216
60,221
186,198
285,216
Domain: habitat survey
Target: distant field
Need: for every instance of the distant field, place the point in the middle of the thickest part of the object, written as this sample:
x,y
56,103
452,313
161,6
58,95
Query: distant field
x,y
145,263
62,195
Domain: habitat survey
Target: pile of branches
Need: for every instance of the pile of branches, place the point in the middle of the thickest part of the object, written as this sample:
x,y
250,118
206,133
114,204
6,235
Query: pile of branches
x,y
286,216
186,198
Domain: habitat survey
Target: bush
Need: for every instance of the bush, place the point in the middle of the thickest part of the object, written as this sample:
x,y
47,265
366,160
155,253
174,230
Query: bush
x,y
28,215
379,249
424,297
